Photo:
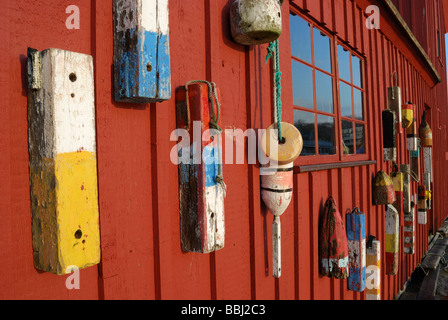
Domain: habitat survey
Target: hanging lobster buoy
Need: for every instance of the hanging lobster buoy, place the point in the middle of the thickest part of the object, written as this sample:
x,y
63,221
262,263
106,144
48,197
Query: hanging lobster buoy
x,y
411,136
373,269
425,132
392,240
383,189
389,136
394,100
407,114
255,22
427,183
201,185
422,216
333,246
397,179
409,229
356,236
405,169
415,163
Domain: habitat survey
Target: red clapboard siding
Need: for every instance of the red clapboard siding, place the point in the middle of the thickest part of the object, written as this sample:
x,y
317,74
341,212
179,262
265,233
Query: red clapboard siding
x,y
138,189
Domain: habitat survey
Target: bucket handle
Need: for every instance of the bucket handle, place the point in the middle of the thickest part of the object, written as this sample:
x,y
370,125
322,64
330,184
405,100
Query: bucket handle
x,y
392,79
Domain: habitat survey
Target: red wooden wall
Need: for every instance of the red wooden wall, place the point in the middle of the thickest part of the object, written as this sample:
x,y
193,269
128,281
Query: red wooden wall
x,y
138,190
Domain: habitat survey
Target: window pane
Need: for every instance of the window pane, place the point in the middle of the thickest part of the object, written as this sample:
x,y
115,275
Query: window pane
x,y
324,92
300,38
304,121
357,71
344,64
302,84
322,51
358,104
360,138
326,135
346,100
347,137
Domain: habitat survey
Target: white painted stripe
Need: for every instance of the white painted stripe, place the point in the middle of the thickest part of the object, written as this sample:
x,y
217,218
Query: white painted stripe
x,y
214,207
163,16
73,101
149,15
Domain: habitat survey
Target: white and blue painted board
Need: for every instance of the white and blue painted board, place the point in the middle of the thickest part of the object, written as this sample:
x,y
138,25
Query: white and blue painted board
x,y
356,236
142,71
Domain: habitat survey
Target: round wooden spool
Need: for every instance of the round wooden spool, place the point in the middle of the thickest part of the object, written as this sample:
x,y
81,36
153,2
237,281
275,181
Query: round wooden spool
x,y
255,22
286,151
407,114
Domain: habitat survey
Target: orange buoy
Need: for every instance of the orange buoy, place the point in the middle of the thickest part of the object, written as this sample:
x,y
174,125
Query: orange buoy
x,y
383,189
425,132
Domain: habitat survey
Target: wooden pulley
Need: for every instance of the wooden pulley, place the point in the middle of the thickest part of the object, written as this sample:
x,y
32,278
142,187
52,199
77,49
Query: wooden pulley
x,y
394,99
383,189
407,114
286,151
333,244
425,132
255,22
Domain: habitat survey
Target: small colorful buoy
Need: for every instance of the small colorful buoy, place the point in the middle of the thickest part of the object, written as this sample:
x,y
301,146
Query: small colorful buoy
x,y
422,215
333,245
425,132
397,179
409,229
392,240
394,100
356,236
383,189
286,151
405,168
411,136
389,135
407,114
255,22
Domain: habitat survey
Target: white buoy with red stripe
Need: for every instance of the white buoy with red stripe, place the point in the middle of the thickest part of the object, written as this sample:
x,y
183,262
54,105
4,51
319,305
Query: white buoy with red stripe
x,y
277,180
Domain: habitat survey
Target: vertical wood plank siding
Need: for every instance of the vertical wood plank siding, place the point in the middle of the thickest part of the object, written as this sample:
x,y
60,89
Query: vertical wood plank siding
x,y
137,183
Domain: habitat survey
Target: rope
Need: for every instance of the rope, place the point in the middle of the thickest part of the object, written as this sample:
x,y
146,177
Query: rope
x,y
273,50
213,124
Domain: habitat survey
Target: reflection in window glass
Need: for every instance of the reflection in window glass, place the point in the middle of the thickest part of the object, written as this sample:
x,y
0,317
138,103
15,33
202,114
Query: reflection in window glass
x,y
326,135
304,121
346,100
300,38
344,64
360,139
322,51
347,137
356,65
324,92
302,85
358,104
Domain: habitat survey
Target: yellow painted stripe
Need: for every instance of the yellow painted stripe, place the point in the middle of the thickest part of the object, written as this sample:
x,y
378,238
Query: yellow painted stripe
x,y
77,210
392,243
398,182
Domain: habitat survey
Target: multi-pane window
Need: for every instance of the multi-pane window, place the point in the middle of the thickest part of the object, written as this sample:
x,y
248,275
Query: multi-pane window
x,y
328,93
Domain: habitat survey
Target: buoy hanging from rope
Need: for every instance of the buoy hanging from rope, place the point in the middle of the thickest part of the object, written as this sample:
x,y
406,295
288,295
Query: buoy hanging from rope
x,y
407,114
425,132
394,100
255,22
383,189
282,143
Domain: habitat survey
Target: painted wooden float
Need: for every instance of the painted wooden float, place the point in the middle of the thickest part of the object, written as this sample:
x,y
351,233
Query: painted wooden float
x,y
356,237
373,269
63,162
142,71
201,184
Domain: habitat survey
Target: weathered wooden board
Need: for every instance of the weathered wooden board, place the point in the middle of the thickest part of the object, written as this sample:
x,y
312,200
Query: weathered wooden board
x,y
201,195
63,166
373,270
356,237
141,51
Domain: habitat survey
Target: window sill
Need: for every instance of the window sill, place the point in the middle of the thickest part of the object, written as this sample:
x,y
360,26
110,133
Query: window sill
x,y
328,166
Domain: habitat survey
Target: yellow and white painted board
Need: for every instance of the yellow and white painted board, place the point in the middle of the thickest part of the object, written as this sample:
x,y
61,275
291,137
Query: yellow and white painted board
x,y
63,165
373,270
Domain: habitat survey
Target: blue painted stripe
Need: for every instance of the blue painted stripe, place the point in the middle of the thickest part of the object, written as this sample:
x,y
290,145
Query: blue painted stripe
x,y
357,279
357,221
